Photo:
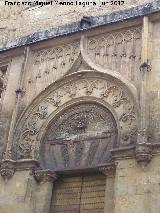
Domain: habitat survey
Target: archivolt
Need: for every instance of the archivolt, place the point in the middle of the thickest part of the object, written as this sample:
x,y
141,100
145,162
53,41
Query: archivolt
x,y
82,86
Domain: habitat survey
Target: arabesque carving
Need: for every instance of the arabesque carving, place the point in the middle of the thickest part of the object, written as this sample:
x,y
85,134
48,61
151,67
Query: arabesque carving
x,y
96,87
49,65
119,51
31,129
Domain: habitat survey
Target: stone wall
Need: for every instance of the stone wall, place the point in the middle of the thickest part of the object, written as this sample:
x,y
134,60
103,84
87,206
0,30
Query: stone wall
x,y
137,190
18,21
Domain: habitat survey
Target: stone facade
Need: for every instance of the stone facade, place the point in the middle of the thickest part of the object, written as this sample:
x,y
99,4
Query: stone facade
x,y
79,109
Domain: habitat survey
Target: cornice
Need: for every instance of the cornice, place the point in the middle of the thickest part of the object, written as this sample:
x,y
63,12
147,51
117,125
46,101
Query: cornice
x,y
123,153
8,166
84,25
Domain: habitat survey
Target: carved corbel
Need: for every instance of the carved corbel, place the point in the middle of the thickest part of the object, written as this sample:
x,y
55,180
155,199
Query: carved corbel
x,y
43,176
7,169
144,148
145,66
108,170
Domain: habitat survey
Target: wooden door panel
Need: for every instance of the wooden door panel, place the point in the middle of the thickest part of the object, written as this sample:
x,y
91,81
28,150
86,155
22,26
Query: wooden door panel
x,y
80,194
81,137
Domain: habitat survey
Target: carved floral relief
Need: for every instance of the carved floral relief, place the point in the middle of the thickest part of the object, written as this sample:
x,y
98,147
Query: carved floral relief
x,y
96,88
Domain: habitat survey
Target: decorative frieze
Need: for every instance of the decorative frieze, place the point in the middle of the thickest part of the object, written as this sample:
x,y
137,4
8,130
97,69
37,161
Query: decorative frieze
x,y
50,65
119,51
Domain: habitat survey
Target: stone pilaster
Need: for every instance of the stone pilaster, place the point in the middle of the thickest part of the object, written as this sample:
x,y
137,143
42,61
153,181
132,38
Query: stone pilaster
x,y
109,172
143,151
45,180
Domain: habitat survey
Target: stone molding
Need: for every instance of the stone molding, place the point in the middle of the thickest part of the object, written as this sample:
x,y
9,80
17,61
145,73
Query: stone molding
x,y
26,164
9,167
142,153
44,176
108,170
123,153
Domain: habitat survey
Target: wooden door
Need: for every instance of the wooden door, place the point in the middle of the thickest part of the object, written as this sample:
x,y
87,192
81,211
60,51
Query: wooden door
x,y
79,194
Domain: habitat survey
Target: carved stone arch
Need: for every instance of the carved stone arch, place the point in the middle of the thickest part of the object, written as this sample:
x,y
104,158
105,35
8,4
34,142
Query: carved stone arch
x,y
80,134
75,102
76,87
